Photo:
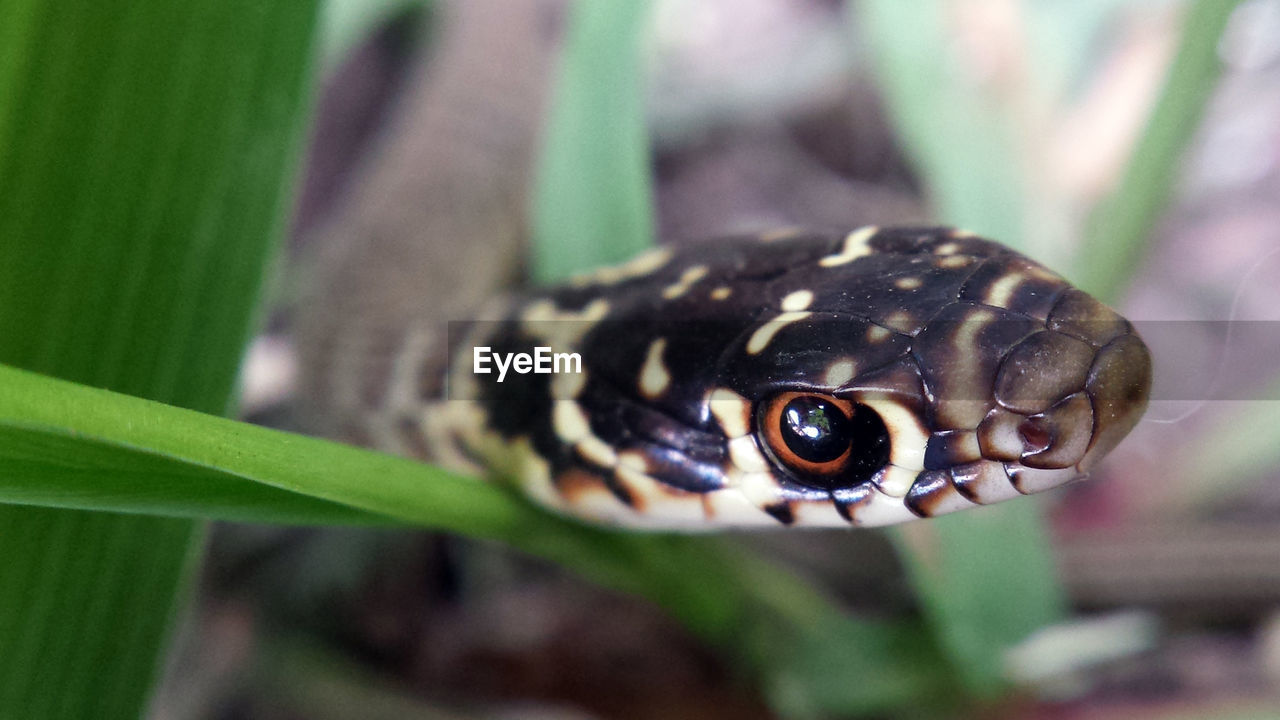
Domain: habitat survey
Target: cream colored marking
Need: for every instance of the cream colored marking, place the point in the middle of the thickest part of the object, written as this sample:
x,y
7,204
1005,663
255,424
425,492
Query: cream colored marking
x,y
438,433
602,506
764,334
908,283
654,377
816,513
560,329
522,463
879,509
798,300
961,233
569,421
732,411
661,505
1034,480
730,508
907,436
1000,433
948,500
1041,272
877,334
641,264
567,386
896,481
900,320
686,281
746,456
633,459
855,246
947,249
545,311
597,451
992,484
759,488
1001,291
721,293
538,311
595,310
961,406
954,261
839,372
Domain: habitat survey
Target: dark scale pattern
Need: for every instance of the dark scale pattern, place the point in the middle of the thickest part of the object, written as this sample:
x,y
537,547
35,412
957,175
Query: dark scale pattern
x,y
992,375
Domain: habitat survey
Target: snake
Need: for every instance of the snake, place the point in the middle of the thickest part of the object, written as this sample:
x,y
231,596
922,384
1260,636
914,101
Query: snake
x,y
792,378
785,379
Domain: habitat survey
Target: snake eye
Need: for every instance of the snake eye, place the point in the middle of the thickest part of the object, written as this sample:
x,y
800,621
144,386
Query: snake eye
x,y
823,441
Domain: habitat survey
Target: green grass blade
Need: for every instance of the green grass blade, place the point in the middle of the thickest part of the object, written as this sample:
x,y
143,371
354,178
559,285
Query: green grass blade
x,y
961,140
592,206
66,444
142,151
1224,462
1115,241
985,577
592,200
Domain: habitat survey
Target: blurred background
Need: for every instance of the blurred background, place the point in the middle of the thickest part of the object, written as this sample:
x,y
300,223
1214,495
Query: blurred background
x,y
1016,119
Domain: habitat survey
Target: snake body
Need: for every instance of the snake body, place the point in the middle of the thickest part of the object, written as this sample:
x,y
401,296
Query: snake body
x,y
787,379
794,379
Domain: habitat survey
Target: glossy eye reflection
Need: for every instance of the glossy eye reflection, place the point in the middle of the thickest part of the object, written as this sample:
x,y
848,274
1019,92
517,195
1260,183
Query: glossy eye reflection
x,y
823,441
815,429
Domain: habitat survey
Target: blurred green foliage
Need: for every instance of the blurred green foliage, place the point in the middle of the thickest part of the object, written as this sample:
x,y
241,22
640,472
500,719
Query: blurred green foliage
x,y
144,147
144,154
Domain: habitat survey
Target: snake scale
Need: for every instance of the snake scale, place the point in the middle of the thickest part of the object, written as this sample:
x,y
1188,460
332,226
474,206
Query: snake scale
x,y
855,378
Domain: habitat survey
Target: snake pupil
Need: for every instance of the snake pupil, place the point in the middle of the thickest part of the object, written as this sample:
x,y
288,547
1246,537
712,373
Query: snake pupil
x,y
814,429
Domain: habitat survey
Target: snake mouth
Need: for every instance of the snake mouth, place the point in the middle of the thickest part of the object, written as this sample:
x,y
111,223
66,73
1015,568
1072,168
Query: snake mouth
x,y
1065,395
1069,393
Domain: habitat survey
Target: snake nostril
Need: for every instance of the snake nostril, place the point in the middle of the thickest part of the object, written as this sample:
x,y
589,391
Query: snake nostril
x,y
1035,436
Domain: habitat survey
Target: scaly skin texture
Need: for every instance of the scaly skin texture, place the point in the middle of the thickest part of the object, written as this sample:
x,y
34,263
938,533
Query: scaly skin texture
x,y
990,375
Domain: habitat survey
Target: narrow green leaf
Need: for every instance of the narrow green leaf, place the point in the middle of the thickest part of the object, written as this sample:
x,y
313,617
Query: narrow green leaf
x,y
142,151
593,207
961,139
346,23
1119,228
965,146
1223,462
592,203
987,580
68,445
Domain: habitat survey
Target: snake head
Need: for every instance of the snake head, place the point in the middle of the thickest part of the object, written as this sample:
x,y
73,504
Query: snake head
x,y
960,373
1061,396
808,379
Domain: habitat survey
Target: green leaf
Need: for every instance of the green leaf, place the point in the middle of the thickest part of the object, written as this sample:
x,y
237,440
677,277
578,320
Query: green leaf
x,y
64,445
961,139
67,445
1119,227
592,200
344,24
143,148
986,580
1224,461
964,143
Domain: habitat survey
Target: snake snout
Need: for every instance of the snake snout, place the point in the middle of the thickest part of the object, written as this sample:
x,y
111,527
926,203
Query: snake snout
x,y
1119,386
1068,394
